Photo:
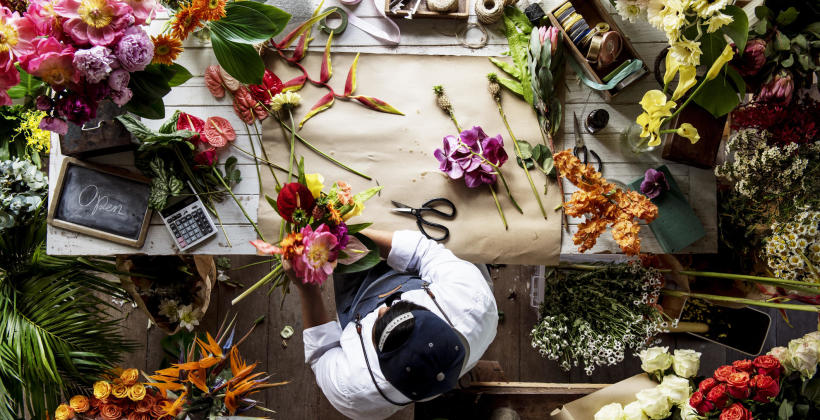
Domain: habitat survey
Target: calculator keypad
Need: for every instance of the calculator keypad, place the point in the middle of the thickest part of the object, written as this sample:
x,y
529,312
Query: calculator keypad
x,y
189,226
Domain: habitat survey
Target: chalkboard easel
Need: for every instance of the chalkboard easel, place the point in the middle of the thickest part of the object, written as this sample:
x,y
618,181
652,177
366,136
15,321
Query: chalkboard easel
x,y
100,201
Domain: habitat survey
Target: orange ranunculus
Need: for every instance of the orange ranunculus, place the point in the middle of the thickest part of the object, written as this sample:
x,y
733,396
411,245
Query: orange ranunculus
x,y
64,412
79,403
110,412
136,392
197,377
129,376
144,405
102,390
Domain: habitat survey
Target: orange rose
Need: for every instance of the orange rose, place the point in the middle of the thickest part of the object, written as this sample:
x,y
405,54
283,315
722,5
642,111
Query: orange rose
x,y
144,405
129,377
119,391
79,403
102,390
64,412
110,412
156,410
136,392
138,416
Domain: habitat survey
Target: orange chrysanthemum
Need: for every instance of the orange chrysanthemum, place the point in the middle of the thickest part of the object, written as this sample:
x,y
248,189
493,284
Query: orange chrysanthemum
x,y
185,21
166,49
210,9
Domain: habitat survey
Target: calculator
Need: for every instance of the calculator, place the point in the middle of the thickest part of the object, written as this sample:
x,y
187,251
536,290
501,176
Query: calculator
x,y
188,221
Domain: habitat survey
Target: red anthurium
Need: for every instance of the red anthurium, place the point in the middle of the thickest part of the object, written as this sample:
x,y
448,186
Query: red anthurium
x,y
294,196
192,123
271,85
206,157
218,132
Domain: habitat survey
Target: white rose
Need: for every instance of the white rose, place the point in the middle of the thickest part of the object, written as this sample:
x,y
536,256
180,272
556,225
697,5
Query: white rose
x,y
814,339
687,412
783,355
654,403
803,357
632,411
612,411
655,359
686,363
676,389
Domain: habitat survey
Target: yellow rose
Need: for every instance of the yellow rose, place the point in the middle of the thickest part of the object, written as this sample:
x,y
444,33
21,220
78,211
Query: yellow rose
x,y
136,392
721,61
685,82
129,376
358,206
102,390
64,412
119,391
79,403
689,131
315,184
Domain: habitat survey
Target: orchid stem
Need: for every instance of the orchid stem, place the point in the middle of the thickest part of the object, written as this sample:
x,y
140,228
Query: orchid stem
x,y
292,144
498,206
238,203
453,117
523,161
753,302
325,155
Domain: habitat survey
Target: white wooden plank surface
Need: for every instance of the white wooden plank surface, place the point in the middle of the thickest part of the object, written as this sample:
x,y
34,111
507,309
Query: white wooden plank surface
x,y
427,37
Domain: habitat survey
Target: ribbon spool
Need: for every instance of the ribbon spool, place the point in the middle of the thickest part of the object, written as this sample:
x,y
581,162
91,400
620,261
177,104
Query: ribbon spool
x,y
604,49
489,11
335,12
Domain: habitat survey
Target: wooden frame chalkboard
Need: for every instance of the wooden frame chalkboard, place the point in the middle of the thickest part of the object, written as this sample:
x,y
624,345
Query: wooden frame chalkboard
x,y
80,205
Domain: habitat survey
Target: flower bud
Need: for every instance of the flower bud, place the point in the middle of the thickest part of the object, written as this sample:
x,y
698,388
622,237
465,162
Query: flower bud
x,y
753,58
493,87
778,90
442,100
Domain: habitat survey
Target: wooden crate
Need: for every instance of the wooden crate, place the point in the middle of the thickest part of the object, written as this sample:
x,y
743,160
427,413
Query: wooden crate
x,y
593,13
462,12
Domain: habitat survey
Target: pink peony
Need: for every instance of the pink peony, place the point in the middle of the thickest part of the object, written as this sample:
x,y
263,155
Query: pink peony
x,y
97,22
51,62
319,257
8,78
144,10
45,20
16,35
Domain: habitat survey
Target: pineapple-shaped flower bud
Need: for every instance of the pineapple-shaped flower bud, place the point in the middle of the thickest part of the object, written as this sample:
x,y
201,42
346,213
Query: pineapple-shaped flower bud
x,y
442,100
494,88
318,212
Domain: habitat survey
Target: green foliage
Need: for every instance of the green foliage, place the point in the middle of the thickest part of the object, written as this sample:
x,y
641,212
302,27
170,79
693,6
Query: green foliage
x,y
367,262
164,184
517,29
738,30
29,85
151,85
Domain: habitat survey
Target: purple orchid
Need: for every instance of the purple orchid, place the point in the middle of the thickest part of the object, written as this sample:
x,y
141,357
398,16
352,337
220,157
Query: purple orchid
x,y
654,183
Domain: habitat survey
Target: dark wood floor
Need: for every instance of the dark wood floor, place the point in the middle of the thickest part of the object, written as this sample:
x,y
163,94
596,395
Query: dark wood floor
x,y
302,399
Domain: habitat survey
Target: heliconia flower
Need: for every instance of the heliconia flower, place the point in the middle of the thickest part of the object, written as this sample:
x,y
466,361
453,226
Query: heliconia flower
x,y
319,257
16,36
270,87
97,22
51,62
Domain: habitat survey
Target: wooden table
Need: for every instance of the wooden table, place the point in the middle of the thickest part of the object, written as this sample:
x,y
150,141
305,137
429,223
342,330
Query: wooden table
x,y
419,36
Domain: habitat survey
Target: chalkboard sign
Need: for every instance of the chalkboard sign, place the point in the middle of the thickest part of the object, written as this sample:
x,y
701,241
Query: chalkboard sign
x,y
102,202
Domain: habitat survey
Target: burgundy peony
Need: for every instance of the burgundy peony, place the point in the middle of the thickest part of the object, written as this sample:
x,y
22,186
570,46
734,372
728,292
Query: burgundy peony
x,y
722,373
768,365
294,196
736,412
765,388
700,403
719,395
744,365
707,384
739,385
753,58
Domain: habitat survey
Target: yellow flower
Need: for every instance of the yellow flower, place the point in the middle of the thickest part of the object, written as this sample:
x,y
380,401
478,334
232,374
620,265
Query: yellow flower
x,y
37,139
654,102
64,412
285,99
689,131
686,80
136,392
102,390
717,21
648,124
315,183
129,376
119,391
79,403
721,61
358,206
672,66
686,51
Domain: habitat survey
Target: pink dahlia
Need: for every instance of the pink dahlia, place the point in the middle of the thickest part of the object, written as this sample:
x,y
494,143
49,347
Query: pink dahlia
x,y
144,10
319,257
97,22
16,35
51,62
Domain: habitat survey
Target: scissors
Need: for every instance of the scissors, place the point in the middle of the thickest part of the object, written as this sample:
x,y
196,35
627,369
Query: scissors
x,y
429,206
580,150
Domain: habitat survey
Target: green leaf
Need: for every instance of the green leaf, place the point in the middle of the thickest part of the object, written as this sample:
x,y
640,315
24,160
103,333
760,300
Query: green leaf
x,y
366,194
738,30
512,86
737,80
358,227
181,75
763,12
761,27
788,62
517,29
786,17
711,45
170,125
811,390
509,68
805,62
239,60
278,17
718,96
785,411
243,24
781,42
801,41
525,148
367,262
28,86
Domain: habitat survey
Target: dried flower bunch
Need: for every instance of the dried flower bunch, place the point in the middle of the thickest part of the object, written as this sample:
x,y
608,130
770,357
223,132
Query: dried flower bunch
x,y
594,317
603,204
793,250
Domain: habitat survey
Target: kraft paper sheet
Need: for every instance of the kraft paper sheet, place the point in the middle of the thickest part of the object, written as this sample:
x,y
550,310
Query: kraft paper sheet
x,y
397,151
622,392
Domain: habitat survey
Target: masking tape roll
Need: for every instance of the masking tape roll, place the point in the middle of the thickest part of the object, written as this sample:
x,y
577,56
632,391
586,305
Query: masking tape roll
x,y
342,25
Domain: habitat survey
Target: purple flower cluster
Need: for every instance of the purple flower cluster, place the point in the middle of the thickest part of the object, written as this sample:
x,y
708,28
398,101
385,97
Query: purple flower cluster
x,y
472,156
95,63
340,232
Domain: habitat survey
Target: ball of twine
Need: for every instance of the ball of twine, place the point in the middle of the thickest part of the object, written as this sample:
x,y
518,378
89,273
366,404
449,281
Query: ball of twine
x,y
442,5
489,11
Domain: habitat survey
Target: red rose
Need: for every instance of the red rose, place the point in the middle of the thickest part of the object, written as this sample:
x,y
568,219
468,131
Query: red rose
x,y
768,365
736,412
292,197
719,395
765,388
701,404
707,384
722,373
739,385
743,365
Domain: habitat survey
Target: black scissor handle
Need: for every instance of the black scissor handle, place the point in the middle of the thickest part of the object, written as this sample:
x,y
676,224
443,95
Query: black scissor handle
x,y
422,223
440,202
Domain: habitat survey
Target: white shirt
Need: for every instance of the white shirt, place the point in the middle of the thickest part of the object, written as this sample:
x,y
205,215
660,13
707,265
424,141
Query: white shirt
x,y
335,355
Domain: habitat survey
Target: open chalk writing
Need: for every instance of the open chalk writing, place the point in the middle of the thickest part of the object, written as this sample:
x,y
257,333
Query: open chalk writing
x,y
90,196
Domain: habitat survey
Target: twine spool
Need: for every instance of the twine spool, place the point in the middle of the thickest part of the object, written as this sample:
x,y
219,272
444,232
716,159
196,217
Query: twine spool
x,y
489,11
441,5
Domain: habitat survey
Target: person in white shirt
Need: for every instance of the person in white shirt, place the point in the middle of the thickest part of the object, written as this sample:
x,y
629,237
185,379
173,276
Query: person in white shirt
x,y
406,331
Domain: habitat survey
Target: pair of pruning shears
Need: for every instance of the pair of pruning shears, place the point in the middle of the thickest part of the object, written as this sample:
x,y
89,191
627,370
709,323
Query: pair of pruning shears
x,y
431,206
580,150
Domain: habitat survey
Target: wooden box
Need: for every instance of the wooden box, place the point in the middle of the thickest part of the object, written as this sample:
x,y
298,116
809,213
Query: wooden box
x,y
462,12
702,154
99,136
593,13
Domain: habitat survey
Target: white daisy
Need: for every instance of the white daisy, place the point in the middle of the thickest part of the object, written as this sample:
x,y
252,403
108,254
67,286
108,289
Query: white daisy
x,y
630,10
169,308
188,317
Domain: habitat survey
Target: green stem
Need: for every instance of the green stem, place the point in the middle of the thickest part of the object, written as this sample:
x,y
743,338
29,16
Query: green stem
x,y
686,102
292,144
523,161
453,118
786,306
265,155
498,206
238,203
258,159
256,285
255,159
221,225
325,155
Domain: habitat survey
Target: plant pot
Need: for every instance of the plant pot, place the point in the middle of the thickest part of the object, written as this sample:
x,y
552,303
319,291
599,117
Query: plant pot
x,y
138,287
702,154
